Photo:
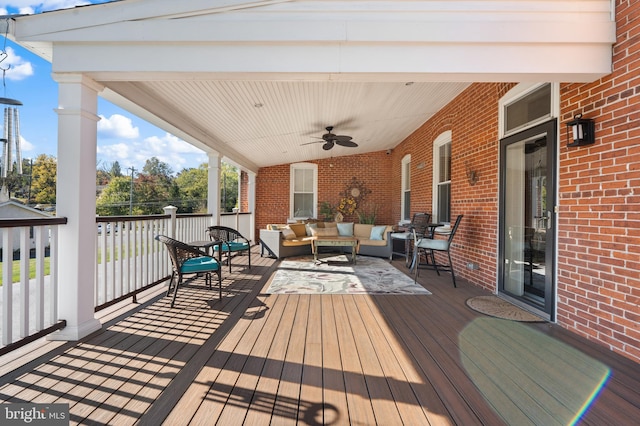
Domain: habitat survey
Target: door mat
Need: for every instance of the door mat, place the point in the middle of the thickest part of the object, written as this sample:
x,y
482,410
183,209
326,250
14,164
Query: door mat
x,y
500,308
337,275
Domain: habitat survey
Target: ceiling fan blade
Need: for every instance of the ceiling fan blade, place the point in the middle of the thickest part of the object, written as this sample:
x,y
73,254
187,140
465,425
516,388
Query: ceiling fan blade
x,y
328,145
309,143
342,138
350,144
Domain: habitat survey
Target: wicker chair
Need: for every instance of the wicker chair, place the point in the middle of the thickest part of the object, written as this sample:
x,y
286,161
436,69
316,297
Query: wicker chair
x,y
189,260
232,242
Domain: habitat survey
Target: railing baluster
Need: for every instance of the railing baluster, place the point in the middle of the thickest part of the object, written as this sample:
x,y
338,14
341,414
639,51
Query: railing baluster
x,y
39,279
24,281
7,286
53,270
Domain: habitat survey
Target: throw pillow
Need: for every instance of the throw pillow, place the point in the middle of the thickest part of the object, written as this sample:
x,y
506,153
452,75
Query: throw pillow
x,y
299,228
288,234
345,229
377,232
309,227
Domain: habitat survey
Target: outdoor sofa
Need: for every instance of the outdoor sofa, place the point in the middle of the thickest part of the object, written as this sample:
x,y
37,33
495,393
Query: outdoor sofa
x,y
280,240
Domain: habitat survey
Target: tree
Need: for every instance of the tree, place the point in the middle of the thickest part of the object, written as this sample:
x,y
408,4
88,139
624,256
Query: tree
x,y
18,184
114,200
43,185
155,167
229,187
192,189
155,186
116,170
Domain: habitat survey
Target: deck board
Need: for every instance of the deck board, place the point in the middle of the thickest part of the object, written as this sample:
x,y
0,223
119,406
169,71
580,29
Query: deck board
x,y
255,358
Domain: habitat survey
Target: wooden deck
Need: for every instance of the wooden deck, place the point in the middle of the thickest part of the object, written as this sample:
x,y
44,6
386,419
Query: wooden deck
x,y
257,359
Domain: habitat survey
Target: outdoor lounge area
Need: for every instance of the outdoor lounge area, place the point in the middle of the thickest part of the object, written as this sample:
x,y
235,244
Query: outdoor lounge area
x,y
255,358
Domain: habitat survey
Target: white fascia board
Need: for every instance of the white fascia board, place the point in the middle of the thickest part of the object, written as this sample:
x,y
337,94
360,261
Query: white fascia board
x,y
340,31
438,62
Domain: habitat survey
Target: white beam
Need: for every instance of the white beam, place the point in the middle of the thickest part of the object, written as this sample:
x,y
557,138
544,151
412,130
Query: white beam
x,y
437,62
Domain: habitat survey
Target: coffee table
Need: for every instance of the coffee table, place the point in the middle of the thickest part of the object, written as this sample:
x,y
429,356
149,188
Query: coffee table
x,y
335,242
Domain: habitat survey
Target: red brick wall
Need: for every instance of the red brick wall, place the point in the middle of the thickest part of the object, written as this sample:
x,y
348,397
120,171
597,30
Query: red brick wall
x,y
243,203
599,229
472,119
373,170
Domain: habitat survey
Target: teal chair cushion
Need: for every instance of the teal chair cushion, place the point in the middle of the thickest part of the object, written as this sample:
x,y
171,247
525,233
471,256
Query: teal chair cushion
x,y
233,246
199,264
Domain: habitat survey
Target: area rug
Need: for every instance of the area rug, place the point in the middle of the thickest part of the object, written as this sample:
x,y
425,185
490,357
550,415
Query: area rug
x,y
336,275
500,308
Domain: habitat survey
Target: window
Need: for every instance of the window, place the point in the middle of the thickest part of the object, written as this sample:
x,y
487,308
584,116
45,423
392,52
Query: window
x,y
406,188
304,189
442,178
527,105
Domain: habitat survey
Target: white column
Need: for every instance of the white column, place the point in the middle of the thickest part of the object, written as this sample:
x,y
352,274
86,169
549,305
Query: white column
x,y
76,200
213,194
251,194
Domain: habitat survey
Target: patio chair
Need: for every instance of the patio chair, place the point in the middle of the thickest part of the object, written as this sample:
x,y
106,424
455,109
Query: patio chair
x,y
232,242
419,222
189,260
429,246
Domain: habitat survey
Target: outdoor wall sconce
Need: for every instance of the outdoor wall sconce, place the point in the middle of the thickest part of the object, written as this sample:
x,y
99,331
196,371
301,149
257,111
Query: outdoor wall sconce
x,y
472,175
580,131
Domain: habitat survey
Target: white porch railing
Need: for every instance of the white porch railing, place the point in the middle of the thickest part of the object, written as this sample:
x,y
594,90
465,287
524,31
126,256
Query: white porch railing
x,y
128,261
238,221
29,303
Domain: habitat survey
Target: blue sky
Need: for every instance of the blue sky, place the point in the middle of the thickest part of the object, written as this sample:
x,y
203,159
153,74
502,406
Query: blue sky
x,y
122,136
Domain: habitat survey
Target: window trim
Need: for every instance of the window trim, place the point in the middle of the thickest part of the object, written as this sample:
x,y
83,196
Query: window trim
x,y
517,93
442,139
303,166
406,167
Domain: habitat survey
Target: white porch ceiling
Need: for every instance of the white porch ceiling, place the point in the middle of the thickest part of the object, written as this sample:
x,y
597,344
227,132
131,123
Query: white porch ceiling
x,y
268,122
198,68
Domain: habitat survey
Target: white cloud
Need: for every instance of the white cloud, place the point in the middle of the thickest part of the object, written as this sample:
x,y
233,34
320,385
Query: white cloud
x,y
170,143
167,148
25,145
117,126
19,69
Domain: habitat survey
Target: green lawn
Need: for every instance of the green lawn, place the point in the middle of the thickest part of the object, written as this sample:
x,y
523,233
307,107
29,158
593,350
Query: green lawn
x,y
32,269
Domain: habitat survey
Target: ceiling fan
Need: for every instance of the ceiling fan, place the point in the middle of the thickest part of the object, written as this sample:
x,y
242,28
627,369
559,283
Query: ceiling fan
x,y
330,140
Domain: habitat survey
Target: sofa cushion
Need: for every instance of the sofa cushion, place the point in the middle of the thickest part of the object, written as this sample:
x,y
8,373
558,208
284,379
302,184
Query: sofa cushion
x,y
299,228
325,232
296,242
362,230
345,229
377,232
369,242
327,224
288,234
